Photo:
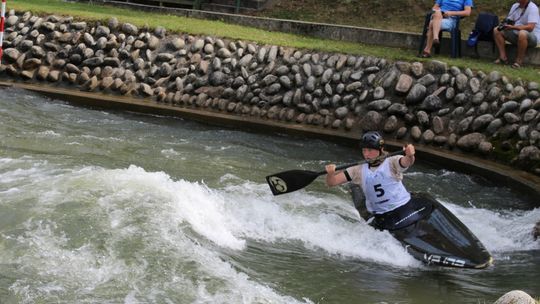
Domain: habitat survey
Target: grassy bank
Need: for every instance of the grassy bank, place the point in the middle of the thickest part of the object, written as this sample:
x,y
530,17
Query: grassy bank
x,y
98,13
405,15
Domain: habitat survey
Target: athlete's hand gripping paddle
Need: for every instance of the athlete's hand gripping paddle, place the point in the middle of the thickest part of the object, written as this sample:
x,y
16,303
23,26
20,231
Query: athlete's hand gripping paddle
x,y
292,180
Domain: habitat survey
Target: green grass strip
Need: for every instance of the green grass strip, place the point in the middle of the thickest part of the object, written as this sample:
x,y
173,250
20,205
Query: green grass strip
x,y
193,26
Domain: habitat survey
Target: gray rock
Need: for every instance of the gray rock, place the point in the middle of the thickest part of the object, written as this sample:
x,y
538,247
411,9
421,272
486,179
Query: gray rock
x,y
511,118
354,86
327,76
474,84
224,53
416,94
494,76
310,84
391,124
485,147
482,122
390,78
417,69
530,115
445,79
508,131
341,112
53,76
379,105
130,29
416,133
440,140
356,76
464,125
494,126
450,93
525,105
427,80
102,31
437,67
78,26
431,103
11,54
261,55
371,121
508,106
397,109
438,125
454,70
372,70
518,93
428,136
515,297
336,124
423,118
452,140
522,132
404,84
30,64
461,82
470,142
477,98
401,132
70,68
378,93
12,20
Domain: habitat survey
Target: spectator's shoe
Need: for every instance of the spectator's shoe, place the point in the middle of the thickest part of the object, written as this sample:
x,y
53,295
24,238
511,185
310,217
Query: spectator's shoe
x,y
501,61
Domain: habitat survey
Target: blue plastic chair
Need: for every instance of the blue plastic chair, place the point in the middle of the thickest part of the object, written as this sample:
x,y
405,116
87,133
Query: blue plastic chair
x,y
455,38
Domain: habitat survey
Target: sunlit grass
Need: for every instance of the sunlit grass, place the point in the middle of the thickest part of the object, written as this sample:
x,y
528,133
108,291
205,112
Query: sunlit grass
x,y
193,26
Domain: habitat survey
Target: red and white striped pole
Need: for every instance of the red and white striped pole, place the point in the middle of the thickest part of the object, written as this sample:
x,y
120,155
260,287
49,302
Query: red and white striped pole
x,y
2,18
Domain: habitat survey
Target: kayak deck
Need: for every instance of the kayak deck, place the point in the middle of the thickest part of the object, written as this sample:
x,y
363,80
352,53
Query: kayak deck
x,y
433,234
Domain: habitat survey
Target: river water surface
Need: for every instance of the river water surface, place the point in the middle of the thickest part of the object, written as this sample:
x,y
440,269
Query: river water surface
x,y
110,207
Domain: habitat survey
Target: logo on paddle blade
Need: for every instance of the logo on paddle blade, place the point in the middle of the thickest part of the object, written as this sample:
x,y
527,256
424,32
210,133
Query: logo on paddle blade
x,y
278,184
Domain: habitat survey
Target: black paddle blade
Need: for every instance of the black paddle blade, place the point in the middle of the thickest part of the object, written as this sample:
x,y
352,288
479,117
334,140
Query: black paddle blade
x,y
290,181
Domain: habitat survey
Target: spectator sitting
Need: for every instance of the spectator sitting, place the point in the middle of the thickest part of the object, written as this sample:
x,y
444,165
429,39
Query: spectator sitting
x,y
521,27
445,15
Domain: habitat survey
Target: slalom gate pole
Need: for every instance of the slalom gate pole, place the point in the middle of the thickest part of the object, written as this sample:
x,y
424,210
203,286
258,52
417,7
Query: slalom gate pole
x,y
2,19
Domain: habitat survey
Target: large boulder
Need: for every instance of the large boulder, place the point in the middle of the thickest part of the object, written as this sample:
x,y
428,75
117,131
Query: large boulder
x,y
515,297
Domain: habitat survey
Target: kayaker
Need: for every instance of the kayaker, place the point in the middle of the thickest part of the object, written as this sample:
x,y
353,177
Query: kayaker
x,y
380,178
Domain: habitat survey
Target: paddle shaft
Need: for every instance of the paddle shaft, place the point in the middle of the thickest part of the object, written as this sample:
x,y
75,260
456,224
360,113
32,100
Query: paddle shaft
x,y
343,167
292,180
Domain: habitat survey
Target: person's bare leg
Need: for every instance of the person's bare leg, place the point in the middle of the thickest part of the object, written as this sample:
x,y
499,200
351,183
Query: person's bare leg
x,y
500,43
429,41
436,23
522,44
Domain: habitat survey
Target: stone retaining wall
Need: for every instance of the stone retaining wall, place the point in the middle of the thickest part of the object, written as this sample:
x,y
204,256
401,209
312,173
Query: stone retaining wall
x,y
337,32
433,104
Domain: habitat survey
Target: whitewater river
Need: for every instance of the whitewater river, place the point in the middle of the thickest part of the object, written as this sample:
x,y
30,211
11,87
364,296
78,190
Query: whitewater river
x,y
110,207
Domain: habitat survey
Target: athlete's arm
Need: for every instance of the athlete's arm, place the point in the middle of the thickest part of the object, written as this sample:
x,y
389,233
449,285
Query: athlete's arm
x,y
334,178
407,160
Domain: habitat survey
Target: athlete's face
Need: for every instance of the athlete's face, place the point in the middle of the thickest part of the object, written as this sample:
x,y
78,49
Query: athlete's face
x,y
370,153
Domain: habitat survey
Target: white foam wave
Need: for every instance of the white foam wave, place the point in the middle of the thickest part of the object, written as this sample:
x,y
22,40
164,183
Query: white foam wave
x,y
132,206
498,231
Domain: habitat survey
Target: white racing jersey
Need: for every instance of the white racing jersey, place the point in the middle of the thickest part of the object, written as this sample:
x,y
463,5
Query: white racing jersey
x,y
382,187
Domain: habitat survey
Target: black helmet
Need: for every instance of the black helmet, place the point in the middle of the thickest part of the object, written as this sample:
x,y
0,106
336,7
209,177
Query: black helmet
x,y
372,140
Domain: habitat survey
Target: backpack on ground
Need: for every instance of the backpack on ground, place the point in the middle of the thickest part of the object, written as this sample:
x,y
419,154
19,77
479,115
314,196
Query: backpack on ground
x,y
483,30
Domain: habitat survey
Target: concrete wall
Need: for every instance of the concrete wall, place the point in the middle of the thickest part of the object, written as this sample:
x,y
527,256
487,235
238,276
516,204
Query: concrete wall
x,y
337,32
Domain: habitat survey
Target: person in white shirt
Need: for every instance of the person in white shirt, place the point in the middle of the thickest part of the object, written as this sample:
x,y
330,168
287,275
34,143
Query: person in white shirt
x,y
380,177
524,32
